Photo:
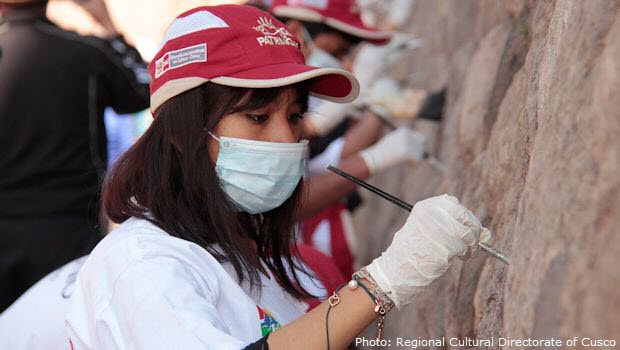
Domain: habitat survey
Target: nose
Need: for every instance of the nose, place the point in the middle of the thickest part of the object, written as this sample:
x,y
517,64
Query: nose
x,y
282,130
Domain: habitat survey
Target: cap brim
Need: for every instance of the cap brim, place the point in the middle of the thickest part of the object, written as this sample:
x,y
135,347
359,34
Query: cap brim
x,y
369,34
332,84
355,29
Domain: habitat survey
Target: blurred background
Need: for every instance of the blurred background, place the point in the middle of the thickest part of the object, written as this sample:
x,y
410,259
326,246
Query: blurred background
x,y
142,22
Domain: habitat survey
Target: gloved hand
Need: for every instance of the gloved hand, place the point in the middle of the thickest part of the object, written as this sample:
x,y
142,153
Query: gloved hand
x,y
372,62
400,145
386,98
328,115
437,229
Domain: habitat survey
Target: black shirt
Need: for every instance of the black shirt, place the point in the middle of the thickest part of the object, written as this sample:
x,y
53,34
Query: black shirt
x,y
54,86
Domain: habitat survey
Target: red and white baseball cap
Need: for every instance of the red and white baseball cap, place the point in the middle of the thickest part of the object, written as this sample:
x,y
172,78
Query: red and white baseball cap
x,y
342,15
239,46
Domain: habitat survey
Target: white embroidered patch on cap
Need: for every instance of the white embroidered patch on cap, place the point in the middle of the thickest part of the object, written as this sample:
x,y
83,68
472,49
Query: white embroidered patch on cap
x,y
179,58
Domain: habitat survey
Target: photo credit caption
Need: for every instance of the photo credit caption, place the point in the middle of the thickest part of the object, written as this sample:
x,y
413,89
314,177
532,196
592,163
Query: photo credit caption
x,y
493,341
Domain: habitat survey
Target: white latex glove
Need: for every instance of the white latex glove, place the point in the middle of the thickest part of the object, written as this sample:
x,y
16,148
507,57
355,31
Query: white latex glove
x,y
382,90
386,98
399,146
373,62
327,115
400,12
437,229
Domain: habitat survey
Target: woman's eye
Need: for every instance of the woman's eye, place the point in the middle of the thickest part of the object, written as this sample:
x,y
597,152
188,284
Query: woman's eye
x,y
258,118
295,117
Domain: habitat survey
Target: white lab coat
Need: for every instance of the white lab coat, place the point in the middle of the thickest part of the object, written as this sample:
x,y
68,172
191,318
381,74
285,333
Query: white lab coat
x,y
35,321
143,289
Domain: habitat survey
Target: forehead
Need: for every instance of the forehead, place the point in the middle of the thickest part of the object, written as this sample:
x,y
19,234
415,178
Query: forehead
x,y
287,97
271,98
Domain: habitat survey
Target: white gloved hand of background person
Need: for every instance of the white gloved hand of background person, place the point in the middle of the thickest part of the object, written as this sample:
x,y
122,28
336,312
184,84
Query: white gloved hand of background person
x,y
327,115
437,229
388,99
373,62
398,146
382,91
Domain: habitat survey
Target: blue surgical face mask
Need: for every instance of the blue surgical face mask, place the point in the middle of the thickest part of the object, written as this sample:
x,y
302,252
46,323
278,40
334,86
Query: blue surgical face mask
x,y
318,57
259,176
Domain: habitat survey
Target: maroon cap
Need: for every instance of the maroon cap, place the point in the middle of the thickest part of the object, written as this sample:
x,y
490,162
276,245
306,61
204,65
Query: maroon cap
x,y
343,15
238,46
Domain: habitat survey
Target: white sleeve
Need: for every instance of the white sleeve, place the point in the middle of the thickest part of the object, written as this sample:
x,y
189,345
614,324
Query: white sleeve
x,y
330,156
159,303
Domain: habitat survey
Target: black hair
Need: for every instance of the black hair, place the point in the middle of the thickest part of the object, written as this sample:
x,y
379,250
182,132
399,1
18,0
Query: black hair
x,y
168,178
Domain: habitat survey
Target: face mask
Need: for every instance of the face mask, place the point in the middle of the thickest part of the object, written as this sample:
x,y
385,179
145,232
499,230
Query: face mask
x,y
259,176
320,58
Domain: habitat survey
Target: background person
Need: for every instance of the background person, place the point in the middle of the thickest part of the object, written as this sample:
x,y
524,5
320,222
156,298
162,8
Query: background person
x,y
54,86
343,135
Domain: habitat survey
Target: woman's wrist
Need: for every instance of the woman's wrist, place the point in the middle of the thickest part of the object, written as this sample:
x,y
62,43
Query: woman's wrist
x,y
381,297
362,280
347,320
356,283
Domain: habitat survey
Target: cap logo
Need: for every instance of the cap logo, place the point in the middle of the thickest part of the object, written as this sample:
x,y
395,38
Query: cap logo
x,y
179,58
272,34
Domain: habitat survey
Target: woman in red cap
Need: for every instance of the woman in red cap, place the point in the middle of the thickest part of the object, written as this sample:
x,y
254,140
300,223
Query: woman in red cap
x,y
207,201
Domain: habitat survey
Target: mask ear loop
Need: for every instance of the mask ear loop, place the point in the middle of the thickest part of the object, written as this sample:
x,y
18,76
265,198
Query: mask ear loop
x,y
215,137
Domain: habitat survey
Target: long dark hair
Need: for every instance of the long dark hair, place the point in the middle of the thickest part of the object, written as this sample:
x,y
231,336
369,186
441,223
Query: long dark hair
x,y
168,178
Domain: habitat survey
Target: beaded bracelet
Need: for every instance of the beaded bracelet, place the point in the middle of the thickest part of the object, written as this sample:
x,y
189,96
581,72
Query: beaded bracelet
x,y
376,291
383,303
379,308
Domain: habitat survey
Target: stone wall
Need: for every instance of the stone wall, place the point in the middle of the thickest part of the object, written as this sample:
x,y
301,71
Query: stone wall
x,y
531,138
